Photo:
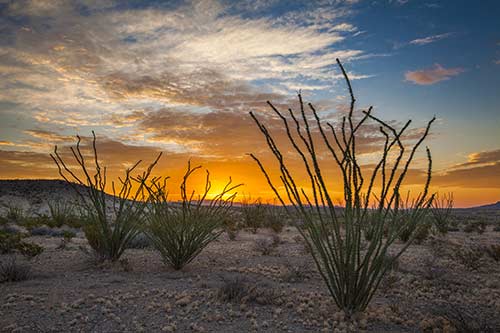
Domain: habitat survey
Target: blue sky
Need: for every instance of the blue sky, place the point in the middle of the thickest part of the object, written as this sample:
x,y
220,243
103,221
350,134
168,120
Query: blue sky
x,y
173,75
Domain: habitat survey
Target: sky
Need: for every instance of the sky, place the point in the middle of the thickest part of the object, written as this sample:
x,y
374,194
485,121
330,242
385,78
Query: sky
x,y
180,77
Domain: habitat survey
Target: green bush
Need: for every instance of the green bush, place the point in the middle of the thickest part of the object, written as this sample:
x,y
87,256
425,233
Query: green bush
x,y
351,268
180,231
61,213
107,234
13,243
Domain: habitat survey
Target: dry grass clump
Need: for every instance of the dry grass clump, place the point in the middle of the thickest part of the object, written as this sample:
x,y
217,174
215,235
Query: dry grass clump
x,y
493,251
266,246
110,224
351,269
180,231
13,271
295,273
240,290
62,213
465,320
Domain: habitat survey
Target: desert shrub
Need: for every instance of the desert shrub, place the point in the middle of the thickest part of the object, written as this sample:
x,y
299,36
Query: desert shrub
x,y
61,213
351,269
254,214
3,221
465,320
180,231
493,251
441,210
478,227
431,270
233,289
107,234
15,214
274,218
231,225
240,290
469,256
13,243
294,273
13,271
265,246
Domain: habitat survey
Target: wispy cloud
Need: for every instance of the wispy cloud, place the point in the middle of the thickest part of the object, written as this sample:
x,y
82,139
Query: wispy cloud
x,y
430,39
432,75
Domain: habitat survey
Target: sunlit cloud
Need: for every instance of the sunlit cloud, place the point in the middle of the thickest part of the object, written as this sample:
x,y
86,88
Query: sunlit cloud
x,y
432,75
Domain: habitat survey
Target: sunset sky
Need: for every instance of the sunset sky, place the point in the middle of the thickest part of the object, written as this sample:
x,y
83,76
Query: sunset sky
x,y
181,77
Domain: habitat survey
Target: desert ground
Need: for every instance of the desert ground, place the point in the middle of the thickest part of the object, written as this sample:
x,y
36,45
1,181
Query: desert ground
x,y
261,282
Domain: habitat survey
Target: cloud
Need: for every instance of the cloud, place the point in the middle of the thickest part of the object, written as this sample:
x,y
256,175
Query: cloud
x,y
480,171
430,39
432,75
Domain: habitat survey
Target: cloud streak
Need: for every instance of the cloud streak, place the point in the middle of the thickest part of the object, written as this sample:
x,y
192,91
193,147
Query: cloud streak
x,y
430,39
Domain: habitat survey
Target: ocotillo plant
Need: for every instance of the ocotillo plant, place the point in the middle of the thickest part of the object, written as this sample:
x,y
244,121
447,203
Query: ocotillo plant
x,y
351,268
180,231
110,222
442,207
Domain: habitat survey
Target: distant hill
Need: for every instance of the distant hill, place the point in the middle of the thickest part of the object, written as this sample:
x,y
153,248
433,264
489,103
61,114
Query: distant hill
x,y
33,195
490,206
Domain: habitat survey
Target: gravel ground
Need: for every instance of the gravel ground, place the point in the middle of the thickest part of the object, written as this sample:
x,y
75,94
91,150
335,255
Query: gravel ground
x,y
70,293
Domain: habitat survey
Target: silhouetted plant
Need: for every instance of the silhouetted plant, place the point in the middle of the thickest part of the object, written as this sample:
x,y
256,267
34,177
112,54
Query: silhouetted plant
x,y
254,214
181,231
110,223
441,209
352,270
274,217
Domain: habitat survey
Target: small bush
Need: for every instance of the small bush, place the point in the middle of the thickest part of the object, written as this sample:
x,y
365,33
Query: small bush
x,y
464,320
441,210
254,214
237,289
478,227
493,251
274,218
430,269
181,231
265,246
469,256
13,243
233,289
12,271
107,234
61,213
295,273
15,214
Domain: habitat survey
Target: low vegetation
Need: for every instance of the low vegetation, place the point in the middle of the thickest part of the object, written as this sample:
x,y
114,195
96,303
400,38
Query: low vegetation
x,y
109,235
351,270
180,231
